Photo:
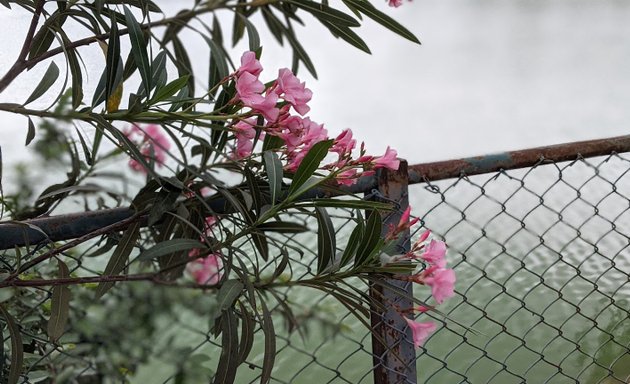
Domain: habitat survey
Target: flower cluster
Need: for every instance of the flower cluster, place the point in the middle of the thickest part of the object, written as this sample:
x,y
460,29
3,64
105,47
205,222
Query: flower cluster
x,y
431,253
153,145
282,105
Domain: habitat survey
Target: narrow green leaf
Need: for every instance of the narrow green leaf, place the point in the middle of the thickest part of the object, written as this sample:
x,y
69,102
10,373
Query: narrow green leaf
x,y
158,70
383,19
273,167
252,34
30,134
238,24
325,13
113,60
353,244
86,149
326,240
169,89
309,165
51,75
75,72
218,61
139,49
168,247
260,241
282,227
120,257
59,306
371,238
343,203
183,64
300,53
17,349
348,35
274,24
228,361
5,3
229,292
248,326
270,343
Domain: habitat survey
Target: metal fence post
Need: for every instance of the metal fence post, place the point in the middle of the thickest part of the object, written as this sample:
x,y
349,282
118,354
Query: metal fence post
x,y
393,352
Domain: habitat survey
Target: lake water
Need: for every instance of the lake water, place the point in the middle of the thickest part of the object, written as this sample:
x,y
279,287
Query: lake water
x,y
491,75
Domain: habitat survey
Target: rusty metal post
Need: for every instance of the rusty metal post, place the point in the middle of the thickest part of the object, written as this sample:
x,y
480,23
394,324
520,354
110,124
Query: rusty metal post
x,y
394,355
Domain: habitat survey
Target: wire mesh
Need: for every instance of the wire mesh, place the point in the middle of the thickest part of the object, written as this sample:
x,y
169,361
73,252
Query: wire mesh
x,y
542,266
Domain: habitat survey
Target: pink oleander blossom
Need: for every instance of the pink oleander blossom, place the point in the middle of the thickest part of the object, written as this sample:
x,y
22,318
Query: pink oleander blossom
x,y
153,145
388,160
395,3
206,271
344,143
295,93
250,64
434,253
245,132
347,177
442,283
420,331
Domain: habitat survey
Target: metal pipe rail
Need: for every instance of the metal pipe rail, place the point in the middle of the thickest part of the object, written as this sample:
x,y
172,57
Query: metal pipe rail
x,y
64,227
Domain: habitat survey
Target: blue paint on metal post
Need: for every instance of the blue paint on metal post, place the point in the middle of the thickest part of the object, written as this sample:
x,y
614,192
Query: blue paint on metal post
x,y
393,352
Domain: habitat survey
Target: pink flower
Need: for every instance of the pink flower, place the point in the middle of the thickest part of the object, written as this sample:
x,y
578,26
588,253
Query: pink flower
x,y
395,3
207,271
244,131
250,64
347,177
295,92
420,331
344,143
153,145
423,236
249,89
266,106
314,133
388,160
434,253
442,284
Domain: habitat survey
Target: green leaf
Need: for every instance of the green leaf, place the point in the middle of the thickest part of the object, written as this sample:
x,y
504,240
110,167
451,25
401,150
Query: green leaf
x,y
326,240
282,227
252,34
218,62
260,241
229,292
168,247
309,165
113,61
343,203
183,64
120,257
270,343
5,3
60,305
138,48
370,11
371,238
352,246
17,349
170,89
248,326
273,167
300,53
77,75
51,75
348,35
274,24
325,13
228,361
30,134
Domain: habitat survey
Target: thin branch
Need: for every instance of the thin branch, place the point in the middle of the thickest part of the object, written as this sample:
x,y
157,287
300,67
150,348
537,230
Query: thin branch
x,y
20,64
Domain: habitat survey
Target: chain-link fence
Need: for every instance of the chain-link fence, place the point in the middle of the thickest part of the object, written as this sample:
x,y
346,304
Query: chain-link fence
x,y
542,280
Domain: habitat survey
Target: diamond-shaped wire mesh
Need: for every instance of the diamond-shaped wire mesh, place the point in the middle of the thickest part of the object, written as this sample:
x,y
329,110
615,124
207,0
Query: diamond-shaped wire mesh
x,y
543,268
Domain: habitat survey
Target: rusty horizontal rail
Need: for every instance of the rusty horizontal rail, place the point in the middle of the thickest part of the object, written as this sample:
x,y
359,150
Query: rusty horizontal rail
x,y
64,227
